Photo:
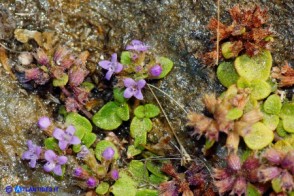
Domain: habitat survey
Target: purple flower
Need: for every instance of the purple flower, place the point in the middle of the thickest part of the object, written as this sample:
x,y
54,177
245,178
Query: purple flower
x,y
137,46
78,172
156,70
66,137
32,154
114,174
91,182
83,153
112,66
44,122
54,162
134,88
108,153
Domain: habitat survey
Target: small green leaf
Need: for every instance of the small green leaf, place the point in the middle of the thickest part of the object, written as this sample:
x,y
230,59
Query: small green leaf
x,y
252,190
118,95
123,112
102,188
140,111
133,151
62,111
126,58
288,124
245,154
102,145
61,81
51,143
106,118
89,139
138,171
260,89
257,67
271,121
273,104
227,74
286,145
166,65
243,83
155,179
88,86
139,128
234,114
81,124
227,50
147,192
280,129
259,137
76,148
155,169
276,185
124,186
208,144
287,109
151,110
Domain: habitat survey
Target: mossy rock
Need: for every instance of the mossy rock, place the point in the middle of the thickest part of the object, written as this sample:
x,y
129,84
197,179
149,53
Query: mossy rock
x,y
259,137
227,74
256,67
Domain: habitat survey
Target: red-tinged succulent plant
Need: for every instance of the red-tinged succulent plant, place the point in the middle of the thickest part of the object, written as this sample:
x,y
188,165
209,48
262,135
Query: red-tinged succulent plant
x,y
235,177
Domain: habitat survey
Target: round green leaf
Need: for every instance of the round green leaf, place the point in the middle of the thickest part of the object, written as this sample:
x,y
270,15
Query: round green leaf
x,y
126,58
155,169
260,89
76,148
139,128
147,192
272,105
166,65
227,50
259,137
140,111
81,124
123,112
88,86
288,124
287,109
118,95
89,139
133,151
234,114
280,129
124,186
243,83
226,73
61,81
257,67
155,179
271,121
102,188
102,145
138,171
106,118
51,143
151,110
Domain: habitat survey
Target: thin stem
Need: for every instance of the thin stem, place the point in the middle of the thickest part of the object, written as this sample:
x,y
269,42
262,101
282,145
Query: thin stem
x,y
185,155
170,97
217,32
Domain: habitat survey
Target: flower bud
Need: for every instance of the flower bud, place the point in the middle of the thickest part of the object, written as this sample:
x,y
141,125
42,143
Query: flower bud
x,y
288,162
273,156
239,186
234,162
108,153
91,182
114,174
80,173
156,70
287,181
44,122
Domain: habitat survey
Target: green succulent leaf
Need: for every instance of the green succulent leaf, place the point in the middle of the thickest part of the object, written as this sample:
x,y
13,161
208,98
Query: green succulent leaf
x,y
123,112
276,185
257,67
61,81
166,65
124,186
234,114
285,145
138,171
155,179
287,110
260,89
271,121
101,146
151,110
88,86
118,95
140,111
272,104
102,188
133,151
147,192
288,124
259,137
76,148
89,139
155,169
227,50
126,58
51,143
139,128
106,118
243,83
227,74
252,190
81,124
280,129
